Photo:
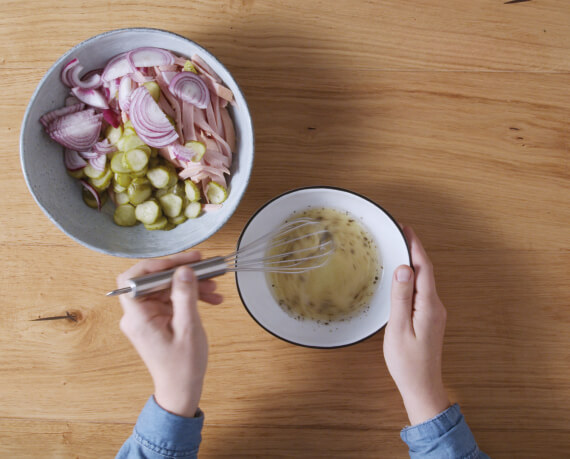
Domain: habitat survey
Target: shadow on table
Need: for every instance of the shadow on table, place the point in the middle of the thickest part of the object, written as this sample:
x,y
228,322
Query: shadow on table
x,y
343,401
346,401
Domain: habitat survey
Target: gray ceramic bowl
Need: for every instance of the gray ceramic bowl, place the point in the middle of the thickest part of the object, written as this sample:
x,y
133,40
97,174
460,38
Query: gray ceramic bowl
x,y
59,195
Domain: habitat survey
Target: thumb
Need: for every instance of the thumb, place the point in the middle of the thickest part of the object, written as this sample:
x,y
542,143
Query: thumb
x,y
402,298
184,297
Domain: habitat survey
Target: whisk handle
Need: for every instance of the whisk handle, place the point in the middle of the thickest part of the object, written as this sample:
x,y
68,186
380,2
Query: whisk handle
x,y
150,283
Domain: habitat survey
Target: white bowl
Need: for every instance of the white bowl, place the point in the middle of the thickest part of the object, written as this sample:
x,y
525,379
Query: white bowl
x,y
59,195
255,292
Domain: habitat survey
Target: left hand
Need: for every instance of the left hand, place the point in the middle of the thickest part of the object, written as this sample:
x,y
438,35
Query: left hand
x,y
413,340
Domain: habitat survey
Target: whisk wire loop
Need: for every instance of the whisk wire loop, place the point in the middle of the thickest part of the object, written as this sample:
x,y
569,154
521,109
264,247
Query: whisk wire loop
x,y
300,260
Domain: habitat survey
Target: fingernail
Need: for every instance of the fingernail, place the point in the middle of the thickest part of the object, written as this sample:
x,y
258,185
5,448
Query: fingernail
x,y
186,275
403,275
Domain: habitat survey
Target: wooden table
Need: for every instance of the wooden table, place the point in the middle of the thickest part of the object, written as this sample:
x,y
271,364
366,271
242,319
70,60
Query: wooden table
x,y
452,115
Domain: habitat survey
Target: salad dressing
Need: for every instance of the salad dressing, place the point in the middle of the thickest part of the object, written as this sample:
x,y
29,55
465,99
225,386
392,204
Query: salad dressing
x,y
343,287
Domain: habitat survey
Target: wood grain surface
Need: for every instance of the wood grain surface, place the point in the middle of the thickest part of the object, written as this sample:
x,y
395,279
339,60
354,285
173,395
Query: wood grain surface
x,y
454,116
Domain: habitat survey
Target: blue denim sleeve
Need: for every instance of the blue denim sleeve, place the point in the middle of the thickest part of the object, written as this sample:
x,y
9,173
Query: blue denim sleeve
x,y
446,436
159,434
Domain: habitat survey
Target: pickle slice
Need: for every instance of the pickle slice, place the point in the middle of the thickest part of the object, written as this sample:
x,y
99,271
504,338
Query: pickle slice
x,y
121,198
129,141
139,174
198,148
171,204
90,200
135,159
178,220
114,134
148,212
103,182
216,193
139,191
123,179
159,176
125,215
178,189
118,188
193,209
76,174
93,173
117,165
153,89
173,176
192,191
158,224
189,67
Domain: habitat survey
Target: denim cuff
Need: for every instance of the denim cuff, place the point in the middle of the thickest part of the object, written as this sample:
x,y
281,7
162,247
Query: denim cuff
x,y
446,435
166,433
434,427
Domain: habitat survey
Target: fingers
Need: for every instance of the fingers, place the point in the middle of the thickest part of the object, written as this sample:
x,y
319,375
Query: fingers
x,y
402,299
212,298
425,282
206,286
206,291
184,297
150,266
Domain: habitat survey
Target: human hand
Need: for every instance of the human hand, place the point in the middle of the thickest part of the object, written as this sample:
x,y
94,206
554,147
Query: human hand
x,y
414,336
166,330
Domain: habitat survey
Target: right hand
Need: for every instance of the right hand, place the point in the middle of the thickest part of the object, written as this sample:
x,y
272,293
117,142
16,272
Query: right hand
x,y
413,340
166,330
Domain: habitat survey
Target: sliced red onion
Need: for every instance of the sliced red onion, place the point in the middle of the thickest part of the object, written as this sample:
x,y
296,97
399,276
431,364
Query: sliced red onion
x,y
181,152
150,57
93,191
112,118
54,114
73,160
71,100
71,119
190,88
90,73
117,67
65,72
149,122
88,82
98,162
76,131
90,97
126,88
104,147
114,105
111,89
89,154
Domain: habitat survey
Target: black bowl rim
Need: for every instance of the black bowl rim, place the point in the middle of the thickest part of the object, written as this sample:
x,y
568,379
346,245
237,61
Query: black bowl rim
x,y
314,187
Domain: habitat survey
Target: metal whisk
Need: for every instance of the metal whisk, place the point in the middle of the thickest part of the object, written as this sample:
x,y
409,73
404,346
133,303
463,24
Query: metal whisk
x,y
259,255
